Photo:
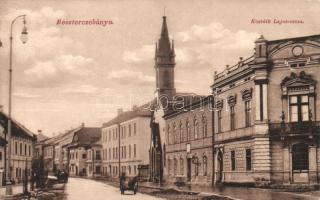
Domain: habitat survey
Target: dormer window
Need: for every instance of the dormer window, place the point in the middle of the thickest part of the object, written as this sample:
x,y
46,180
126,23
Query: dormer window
x,y
298,65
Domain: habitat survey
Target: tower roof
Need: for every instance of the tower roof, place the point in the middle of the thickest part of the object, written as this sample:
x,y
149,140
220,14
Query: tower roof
x,y
164,48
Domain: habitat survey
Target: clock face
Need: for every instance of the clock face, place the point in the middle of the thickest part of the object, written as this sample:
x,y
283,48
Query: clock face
x,y
297,51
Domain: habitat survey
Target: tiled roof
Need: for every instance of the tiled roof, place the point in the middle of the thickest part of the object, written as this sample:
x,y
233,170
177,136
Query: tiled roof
x,y
87,135
141,111
17,129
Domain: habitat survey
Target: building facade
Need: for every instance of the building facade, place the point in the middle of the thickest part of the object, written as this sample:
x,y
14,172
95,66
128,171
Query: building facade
x,y
124,140
266,121
189,149
94,160
82,140
22,148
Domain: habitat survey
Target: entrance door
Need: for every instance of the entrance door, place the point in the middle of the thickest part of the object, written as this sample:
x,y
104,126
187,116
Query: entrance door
x,y
220,167
189,169
300,163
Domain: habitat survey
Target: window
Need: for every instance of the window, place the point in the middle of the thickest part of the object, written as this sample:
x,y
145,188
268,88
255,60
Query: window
x,y
300,157
196,129
232,118
181,166
205,165
188,131
134,150
233,160
129,151
129,130
129,169
175,163
20,148
204,127
135,170
247,113
175,134
196,167
181,133
248,159
299,108
98,155
0,156
169,136
169,166
219,121
134,128
25,149
16,148
84,156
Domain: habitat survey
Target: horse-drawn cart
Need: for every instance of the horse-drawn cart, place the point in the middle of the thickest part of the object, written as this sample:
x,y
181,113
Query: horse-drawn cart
x,y
130,184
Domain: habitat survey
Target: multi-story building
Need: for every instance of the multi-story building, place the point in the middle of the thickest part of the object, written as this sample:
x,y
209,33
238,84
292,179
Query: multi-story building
x,y
189,149
22,147
94,159
267,123
124,142
38,149
48,155
82,140
3,143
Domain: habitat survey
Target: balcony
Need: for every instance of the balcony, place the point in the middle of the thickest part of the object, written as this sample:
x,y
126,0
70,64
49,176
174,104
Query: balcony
x,y
295,128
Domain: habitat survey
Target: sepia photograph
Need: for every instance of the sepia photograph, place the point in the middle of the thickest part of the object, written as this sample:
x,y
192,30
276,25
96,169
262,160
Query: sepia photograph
x,y
159,100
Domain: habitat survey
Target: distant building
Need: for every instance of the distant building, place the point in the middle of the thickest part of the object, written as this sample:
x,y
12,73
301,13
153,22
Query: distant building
x,y
94,159
39,146
125,142
22,148
83,139
267,123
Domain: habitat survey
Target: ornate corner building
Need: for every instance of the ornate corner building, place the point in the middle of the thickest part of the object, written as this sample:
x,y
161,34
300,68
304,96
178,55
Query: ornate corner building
x,y
266,123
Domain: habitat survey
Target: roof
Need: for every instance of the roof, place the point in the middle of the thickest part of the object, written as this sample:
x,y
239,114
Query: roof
x,y
41,137
141,111
86,136
18,129
188,102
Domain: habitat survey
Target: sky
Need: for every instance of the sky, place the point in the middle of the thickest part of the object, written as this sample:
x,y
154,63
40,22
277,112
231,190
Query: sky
x,y
66,75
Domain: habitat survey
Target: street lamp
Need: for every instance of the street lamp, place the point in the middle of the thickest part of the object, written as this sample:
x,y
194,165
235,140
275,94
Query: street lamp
x,y
24,39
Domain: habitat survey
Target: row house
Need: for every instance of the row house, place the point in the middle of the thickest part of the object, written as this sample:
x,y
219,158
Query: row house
x,y
22,148
123,139
189,149
82,140
94,159
266,122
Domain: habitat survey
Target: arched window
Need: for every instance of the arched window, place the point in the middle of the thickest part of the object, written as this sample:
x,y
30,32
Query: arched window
x,y
196,129
169,136
182,139
181,166
300,157
188,131
204,126
169,166
196,167
175,166
175,134
205,165
164,154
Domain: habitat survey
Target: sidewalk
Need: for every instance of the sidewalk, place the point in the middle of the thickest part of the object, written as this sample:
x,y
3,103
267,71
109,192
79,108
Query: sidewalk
x,y
16,189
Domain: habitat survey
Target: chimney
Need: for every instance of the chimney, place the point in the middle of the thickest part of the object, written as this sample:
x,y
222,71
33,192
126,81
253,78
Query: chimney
x,y
82,124
134,107
39,131
120,110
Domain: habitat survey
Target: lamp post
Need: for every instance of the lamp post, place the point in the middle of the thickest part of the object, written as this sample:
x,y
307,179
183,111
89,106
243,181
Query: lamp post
x,y
24,39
